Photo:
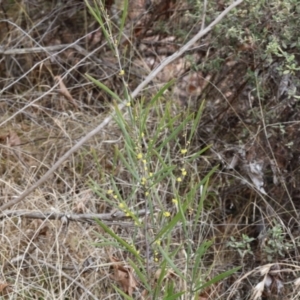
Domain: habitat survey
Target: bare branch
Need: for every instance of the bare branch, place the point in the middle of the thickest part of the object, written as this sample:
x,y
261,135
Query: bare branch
x,y
88,217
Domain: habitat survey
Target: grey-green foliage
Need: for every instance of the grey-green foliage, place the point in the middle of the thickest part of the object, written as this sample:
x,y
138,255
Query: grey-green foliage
x,y
242,245
276,243
268,28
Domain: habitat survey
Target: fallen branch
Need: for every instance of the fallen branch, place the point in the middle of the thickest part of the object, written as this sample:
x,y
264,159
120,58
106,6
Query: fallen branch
x,y
149,78
89,217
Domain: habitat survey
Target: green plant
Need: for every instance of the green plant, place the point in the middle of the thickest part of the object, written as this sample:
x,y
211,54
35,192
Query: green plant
x,y
156,164
242,246
289,64
275,243
159,165
162,172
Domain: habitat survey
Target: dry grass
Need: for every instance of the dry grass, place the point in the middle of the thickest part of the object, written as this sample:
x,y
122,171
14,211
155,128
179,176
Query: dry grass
x,y
66,191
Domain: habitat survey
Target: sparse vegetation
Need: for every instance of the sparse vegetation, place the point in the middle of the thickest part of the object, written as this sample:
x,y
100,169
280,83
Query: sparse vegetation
x,y
189,190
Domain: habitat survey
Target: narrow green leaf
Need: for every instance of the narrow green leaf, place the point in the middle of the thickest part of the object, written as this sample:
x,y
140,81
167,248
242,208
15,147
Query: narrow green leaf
x,y
217,278
153,104
173,134
177,218
159,284
196,121
95,188
200,204
161,92
104,87
207,176
96,13
141,274
170,262
162,174
170,287
198,255
120,240
122,293
104,244
194,156
123,19
174,296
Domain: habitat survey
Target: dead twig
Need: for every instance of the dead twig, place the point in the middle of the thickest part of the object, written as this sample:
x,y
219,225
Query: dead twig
x,y
90,217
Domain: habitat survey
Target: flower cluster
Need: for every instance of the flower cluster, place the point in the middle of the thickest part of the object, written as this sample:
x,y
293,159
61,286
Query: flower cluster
x,y
183,173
